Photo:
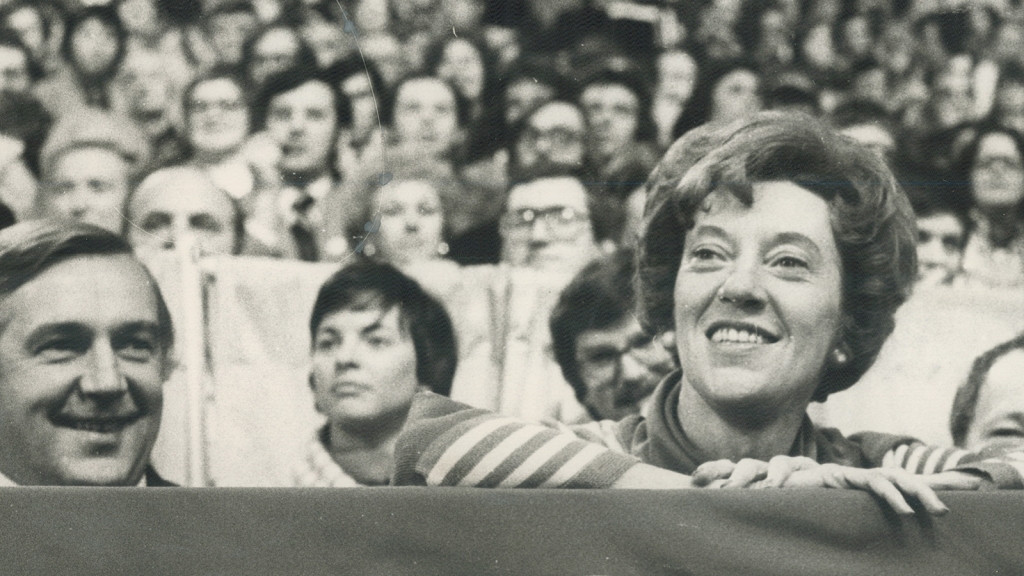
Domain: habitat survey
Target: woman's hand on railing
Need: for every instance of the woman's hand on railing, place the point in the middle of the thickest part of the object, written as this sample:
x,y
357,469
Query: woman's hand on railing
x,y
893,485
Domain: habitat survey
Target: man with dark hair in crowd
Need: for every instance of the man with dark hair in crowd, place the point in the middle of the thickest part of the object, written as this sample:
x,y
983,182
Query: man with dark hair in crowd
x,y
612,365
549,140
989,408
867,122
85,341
303,112
941,238
620,150
228,26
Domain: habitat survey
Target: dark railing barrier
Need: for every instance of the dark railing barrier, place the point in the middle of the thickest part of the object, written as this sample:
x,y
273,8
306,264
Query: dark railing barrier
x,y
419,531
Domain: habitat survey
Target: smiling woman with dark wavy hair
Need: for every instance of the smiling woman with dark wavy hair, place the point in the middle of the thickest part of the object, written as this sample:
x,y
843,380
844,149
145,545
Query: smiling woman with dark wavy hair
x,y
776,252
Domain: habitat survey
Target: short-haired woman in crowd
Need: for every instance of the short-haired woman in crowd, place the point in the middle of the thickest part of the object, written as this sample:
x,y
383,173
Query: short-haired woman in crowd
x,y
409,217
377,339
777,253
93,48
218,122
429,118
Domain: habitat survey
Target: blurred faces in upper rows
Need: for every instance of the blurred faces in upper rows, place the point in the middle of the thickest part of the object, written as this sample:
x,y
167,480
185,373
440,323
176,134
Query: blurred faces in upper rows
x,y
492,105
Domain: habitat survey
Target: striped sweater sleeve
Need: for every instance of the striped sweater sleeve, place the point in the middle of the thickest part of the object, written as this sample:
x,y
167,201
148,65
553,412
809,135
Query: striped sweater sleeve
x,y
1003,466
445,443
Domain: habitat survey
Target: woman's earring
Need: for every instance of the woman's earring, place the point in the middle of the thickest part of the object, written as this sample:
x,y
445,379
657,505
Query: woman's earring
x,y
839,356
369,250
443,249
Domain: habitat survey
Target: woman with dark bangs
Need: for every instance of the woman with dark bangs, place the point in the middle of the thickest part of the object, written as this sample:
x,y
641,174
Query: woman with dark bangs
x,y
776,253
93,48
377,339
992,168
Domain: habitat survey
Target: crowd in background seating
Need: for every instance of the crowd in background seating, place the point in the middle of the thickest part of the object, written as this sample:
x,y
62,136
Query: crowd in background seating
x,y
507,134
297,109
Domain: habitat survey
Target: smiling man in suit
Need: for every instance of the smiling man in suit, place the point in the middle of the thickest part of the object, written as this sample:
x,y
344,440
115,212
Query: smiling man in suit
x,y
85,339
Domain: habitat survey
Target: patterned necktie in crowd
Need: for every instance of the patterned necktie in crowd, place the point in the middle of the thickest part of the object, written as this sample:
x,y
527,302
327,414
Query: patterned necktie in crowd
x,y
302,229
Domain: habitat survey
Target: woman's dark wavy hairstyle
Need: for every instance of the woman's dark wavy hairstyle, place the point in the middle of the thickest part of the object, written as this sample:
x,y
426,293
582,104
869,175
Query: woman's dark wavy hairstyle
x,y
486,130
872,221
434,53
463,107
966,401
107,15
367,284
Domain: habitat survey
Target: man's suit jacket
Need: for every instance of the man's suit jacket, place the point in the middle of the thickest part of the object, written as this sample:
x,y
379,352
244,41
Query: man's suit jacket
x,y
153,480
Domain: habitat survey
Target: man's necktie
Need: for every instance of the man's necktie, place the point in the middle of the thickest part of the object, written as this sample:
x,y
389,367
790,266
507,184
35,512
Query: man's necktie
x,y
302,230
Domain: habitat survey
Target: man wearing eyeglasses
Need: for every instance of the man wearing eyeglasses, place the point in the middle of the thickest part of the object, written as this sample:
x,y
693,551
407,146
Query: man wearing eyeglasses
x,y
612,365
550,141
547,227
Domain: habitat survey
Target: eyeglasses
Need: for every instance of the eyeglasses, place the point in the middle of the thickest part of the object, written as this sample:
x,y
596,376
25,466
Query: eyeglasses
x,y
205,106
997,163
556,218
644,350
558,136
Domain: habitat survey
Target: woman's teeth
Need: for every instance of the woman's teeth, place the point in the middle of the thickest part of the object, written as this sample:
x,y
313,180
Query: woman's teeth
x,y
737,336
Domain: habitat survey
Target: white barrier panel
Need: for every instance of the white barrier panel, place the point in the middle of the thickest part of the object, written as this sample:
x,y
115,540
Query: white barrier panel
x,y
910,389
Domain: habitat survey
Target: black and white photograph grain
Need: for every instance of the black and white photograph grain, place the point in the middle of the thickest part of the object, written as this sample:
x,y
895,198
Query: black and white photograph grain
x,y
512,287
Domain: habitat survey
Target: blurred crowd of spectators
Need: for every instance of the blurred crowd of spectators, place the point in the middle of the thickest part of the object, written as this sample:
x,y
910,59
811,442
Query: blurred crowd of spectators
x,y
482,131
494,135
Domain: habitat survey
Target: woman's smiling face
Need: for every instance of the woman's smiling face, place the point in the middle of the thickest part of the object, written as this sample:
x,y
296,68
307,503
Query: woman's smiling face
x,y
758,299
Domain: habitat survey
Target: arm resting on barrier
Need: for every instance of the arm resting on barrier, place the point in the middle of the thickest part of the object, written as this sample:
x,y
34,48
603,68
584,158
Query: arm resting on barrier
x,y
1000,467
446,443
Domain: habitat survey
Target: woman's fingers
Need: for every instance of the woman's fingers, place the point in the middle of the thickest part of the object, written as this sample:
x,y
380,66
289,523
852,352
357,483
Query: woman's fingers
x,y
708,472
891,484
918,488
884,488
781,467
747,472
729,474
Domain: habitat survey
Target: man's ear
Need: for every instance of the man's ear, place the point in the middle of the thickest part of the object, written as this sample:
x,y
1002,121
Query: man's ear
x,y
168,364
